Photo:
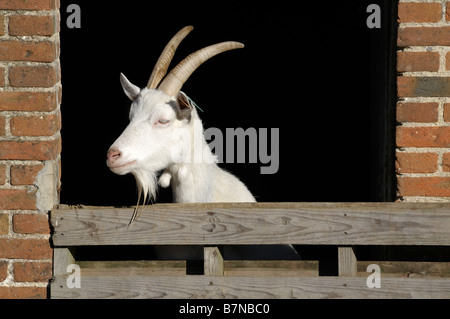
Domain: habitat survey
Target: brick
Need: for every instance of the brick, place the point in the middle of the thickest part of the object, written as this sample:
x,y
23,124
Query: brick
x,y
2,125
30,224
3,270
2,76
19,248
419,12
17,199
32,272
33,76
32,25
30,150
424,186
2,174
417,61
34,51
43,5
423,136
23,292
2,23
447,112
447,61
416,163
446,162
4,224
24,174
35,125
28,101
447,12
417,112
423,36
423,86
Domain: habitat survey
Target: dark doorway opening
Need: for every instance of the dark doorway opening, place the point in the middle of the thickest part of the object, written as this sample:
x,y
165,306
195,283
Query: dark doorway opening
x,y
315,71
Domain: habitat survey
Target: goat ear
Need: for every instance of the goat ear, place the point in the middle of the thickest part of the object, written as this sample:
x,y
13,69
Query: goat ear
x,y
185,106
131,90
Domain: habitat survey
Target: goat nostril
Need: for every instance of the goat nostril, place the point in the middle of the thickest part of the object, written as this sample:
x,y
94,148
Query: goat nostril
x,y
113,154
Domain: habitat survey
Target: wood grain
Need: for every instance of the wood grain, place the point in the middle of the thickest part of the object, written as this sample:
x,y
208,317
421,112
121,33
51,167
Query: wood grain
x,y
213,261
248,287
256,224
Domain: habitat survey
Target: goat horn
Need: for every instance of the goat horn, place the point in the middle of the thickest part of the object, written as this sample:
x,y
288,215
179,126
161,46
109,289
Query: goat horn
x,y
178,76
160,69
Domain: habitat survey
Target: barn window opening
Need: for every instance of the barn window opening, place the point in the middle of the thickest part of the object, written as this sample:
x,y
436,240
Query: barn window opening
x,y
322,76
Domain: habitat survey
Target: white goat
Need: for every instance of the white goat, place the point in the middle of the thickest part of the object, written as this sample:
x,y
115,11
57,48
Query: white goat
x,y
153,140
165,133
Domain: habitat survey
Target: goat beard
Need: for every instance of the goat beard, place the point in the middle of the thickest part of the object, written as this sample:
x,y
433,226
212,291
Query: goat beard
x,y
146,182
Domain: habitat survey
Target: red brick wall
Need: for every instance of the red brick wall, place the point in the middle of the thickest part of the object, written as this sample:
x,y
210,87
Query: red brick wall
x,y
423,109
30,143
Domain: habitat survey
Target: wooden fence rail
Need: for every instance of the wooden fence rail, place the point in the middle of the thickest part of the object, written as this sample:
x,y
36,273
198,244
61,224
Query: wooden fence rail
x,y
345,225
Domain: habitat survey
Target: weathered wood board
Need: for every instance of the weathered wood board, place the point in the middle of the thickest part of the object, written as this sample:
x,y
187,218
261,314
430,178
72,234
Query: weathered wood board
x,y
174,287
256,224
236,268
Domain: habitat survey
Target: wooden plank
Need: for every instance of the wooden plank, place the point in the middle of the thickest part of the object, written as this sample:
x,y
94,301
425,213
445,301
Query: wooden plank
x,y
249,288
213,261
133,268
271,268
240,268
261,268
257,223
408,269
347,263
62,257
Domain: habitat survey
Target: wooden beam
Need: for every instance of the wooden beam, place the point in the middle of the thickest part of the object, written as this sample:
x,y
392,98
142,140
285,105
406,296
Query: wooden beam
x,y
62,258
347,264
256,224
248,287
213,261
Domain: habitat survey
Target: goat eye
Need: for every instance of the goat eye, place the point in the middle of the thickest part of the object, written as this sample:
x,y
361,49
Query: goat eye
x,y
163,122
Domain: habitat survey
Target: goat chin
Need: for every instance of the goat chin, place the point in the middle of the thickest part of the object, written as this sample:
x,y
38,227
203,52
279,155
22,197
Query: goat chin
x,y
146,182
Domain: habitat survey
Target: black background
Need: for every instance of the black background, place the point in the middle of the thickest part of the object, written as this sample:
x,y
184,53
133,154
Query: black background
x,y
314,70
